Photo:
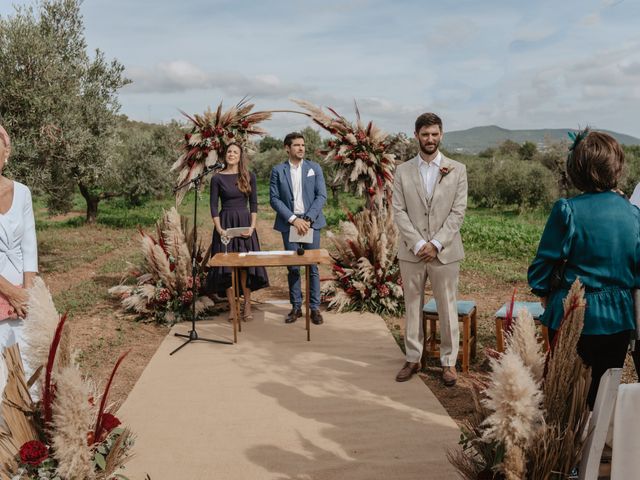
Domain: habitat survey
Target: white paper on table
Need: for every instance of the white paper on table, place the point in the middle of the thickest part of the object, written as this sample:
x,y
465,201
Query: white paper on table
x,y
272,252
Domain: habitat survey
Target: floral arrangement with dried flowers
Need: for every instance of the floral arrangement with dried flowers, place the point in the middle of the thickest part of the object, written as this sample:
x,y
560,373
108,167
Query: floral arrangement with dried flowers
x,y
531,412
66,434
165,287
210,134
359,152
366,271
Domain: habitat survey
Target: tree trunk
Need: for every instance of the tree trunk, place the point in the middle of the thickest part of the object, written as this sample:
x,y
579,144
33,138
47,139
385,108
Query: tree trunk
x,y
92,203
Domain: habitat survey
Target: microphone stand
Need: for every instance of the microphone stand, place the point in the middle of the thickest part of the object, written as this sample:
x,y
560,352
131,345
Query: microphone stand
x,y
192,336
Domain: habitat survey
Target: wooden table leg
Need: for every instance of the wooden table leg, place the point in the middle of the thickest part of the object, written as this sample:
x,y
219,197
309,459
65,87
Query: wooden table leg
x,y
307,296
236,298
235,317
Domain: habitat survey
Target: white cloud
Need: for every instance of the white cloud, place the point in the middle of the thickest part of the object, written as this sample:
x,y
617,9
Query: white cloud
x,y
183,76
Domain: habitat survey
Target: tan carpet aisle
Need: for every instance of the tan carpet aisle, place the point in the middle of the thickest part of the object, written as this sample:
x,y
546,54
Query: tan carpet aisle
x,y
275,406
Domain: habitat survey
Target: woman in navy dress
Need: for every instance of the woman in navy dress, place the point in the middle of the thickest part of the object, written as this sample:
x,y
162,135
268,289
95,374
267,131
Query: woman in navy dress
x,y
235,188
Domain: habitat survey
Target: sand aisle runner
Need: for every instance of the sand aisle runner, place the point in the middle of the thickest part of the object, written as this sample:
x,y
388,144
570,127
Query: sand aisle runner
x,y
275,406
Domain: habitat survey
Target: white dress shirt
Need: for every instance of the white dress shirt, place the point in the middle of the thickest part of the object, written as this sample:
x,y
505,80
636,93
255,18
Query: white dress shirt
x,y
429,173
296,184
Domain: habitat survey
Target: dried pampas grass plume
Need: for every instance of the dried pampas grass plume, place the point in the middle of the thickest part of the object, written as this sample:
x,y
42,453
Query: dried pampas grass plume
x,y
522,340
514,399
71,415
39,327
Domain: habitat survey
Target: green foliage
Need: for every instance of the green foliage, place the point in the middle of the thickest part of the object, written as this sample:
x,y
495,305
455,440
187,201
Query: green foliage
x,y
507,182
509,147
143,156
263,162
57,102
501,235
527,150
268,142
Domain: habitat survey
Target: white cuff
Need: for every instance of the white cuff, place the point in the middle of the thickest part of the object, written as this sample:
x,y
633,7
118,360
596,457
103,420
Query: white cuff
x,y
292,218
437,244
418,246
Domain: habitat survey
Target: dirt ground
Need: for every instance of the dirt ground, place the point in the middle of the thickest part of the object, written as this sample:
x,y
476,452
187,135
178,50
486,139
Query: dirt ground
x,y
101,332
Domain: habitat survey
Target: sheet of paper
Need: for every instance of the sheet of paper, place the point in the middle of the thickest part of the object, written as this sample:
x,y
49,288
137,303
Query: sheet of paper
x,y
294,236
271,252
236,231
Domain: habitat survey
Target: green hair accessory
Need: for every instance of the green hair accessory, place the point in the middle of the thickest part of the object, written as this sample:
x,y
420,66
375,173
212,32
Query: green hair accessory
x,y
577,137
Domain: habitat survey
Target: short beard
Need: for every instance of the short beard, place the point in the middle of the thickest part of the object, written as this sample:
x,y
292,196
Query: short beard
x,y
423,150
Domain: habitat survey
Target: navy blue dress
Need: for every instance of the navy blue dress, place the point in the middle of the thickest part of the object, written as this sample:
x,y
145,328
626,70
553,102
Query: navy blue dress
x,y
236,209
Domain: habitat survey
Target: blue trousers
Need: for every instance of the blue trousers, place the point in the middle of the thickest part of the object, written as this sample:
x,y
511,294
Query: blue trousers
x,y
295,292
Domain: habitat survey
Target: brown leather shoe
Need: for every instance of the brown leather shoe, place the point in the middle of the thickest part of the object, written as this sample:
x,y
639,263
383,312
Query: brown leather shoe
x,y
293,315
449,376
407,371
316,318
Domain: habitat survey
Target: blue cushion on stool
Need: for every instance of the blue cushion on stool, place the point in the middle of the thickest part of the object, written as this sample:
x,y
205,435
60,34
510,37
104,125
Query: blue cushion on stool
x,y
464,306
535,309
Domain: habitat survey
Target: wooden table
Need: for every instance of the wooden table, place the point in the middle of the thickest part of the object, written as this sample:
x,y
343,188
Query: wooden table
x,y
236,261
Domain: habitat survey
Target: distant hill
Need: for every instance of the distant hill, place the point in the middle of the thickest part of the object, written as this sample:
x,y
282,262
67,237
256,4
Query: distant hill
x,y
474,140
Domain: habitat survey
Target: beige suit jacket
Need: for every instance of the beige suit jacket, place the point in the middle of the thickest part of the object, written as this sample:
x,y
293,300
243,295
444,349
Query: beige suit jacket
x,y
440,220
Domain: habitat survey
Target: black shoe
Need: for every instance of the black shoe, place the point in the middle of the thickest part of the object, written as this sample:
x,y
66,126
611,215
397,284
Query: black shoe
x,y
293,315
316,318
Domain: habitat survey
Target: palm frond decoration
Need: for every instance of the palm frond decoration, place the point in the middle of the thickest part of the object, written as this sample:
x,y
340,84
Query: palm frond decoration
x,y
164,286
359,152
208,136
54,438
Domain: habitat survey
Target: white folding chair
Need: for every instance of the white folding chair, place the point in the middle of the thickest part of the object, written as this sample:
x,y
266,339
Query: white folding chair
x,y
599,424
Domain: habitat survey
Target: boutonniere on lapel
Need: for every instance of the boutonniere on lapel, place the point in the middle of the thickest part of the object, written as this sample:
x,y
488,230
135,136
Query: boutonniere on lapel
x,y
444,171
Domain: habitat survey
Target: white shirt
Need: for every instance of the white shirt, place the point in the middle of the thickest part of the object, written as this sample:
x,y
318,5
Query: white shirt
x,y
18,245
296,185
429,173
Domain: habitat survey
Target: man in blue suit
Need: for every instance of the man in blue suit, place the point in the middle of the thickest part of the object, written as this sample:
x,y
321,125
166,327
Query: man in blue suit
x,y
297,193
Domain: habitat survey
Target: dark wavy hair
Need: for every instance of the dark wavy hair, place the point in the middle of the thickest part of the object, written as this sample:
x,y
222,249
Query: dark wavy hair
x,y
595,163
244,181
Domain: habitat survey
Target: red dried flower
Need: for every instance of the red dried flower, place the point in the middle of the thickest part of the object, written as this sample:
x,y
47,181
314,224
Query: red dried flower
x,y
109,421
207,133
350,291
218,131
244,124
399,281
383,290
361,136
186,297
34,452
164,295
338,158
187,137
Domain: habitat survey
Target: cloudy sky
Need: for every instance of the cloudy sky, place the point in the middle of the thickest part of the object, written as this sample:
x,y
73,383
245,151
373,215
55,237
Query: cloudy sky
x,y
512,63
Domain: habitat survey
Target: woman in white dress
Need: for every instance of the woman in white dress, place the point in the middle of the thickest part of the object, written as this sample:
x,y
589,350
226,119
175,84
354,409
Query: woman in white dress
x,y
18,254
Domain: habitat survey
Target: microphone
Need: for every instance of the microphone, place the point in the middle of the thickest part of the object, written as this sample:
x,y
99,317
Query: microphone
x,y
216,167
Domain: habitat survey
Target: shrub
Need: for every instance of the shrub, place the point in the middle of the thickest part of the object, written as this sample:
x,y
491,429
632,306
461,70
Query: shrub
x,y
509,182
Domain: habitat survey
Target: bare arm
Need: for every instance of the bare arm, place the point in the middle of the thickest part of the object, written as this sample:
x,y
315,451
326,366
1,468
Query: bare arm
x,y
16,296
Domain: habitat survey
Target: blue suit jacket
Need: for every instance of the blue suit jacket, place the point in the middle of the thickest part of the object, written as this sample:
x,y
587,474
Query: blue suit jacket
x,y
314,194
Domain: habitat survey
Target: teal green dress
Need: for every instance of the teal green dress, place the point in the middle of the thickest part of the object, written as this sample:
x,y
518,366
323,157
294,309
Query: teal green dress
x,y
598,234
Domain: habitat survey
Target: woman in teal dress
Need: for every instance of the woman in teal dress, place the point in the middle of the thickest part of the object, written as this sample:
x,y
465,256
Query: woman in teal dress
x,y
597,234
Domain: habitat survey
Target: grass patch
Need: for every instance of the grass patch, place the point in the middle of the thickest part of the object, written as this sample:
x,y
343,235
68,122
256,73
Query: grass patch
x,y
80,298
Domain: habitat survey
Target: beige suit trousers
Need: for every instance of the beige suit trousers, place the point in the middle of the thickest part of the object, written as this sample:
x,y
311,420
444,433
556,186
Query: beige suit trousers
x,y
444,282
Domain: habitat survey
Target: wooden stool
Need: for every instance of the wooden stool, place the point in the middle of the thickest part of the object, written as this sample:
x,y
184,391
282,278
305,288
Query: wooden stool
x,y
536,311
467,315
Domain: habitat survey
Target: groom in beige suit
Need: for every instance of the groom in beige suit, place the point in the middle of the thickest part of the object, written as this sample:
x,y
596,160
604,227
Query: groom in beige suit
x,y
429,201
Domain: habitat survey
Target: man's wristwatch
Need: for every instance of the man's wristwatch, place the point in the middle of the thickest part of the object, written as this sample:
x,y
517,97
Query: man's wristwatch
x,y
307,219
